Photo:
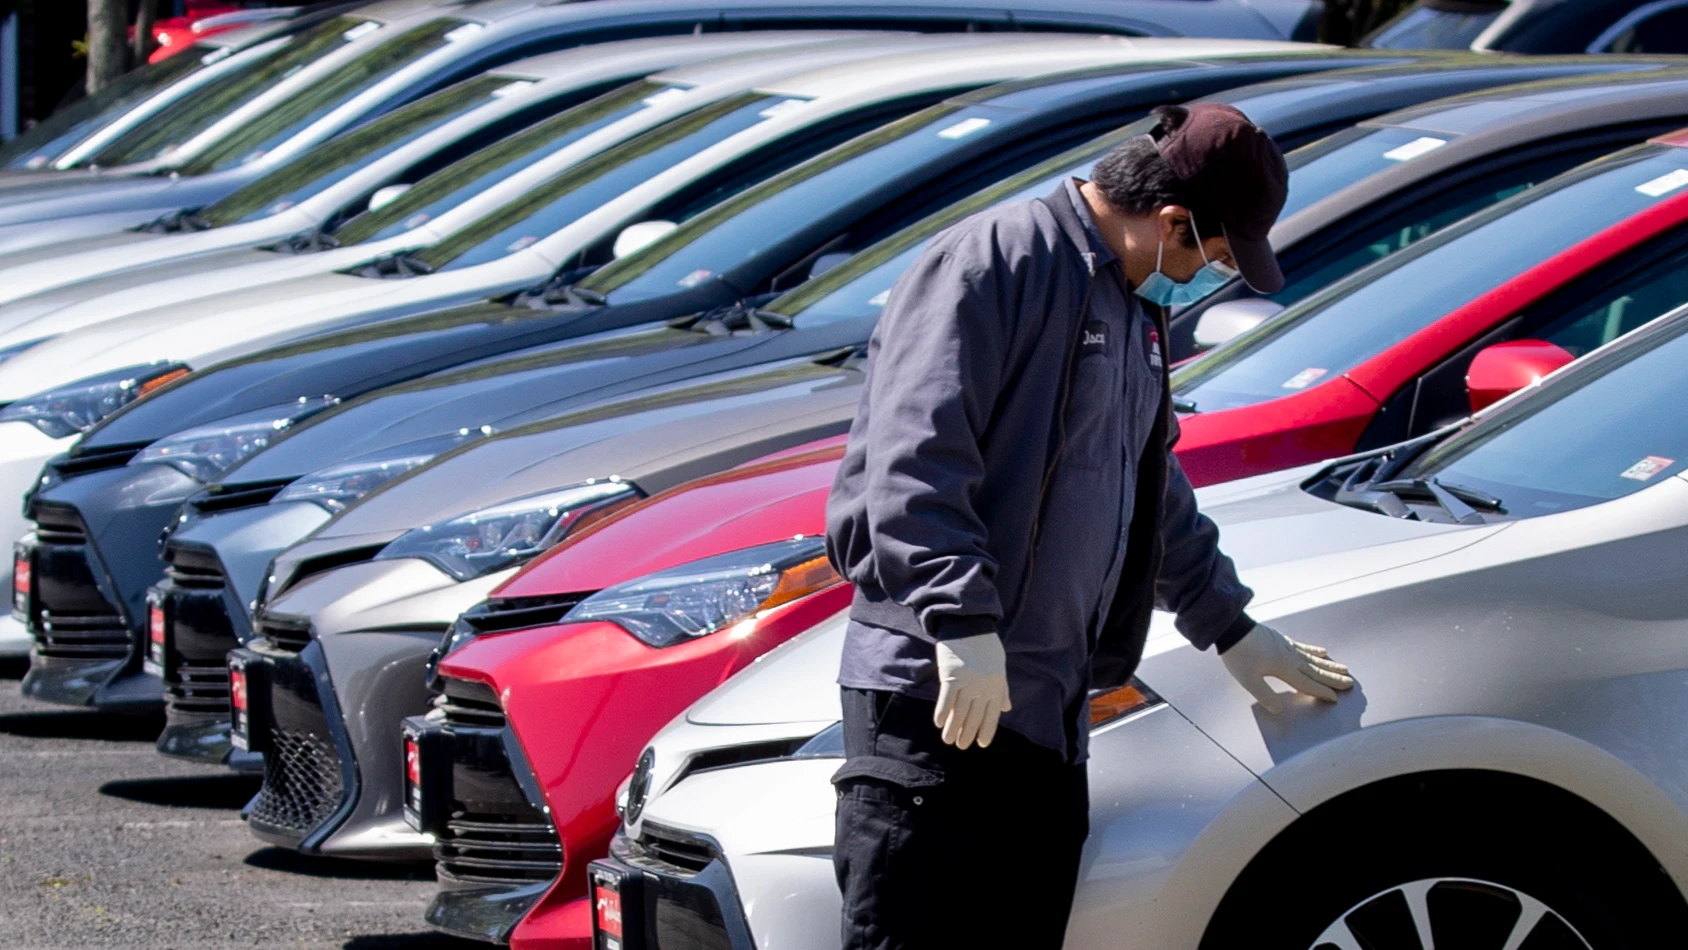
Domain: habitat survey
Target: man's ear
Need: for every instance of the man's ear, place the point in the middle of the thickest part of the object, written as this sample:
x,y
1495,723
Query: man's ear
x,y
1173,222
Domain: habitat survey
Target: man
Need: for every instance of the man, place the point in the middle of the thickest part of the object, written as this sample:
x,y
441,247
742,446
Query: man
x,y
1010,511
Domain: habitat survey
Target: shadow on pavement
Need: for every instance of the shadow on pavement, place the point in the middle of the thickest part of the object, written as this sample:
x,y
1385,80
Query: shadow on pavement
x,y
426,940
193,791
83,724
292,862
13,667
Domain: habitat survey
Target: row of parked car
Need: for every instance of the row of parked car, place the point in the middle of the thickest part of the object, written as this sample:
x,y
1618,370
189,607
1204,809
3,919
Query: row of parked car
x,y
432,402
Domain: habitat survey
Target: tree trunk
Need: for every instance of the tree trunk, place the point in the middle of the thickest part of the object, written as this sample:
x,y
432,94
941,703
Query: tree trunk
x,y
108,47
144,18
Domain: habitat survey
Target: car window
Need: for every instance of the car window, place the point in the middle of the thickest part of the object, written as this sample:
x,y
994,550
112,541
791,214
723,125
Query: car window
x,y
1425,26
859,287
54,135
1570,446
187,117
469,176
1663,32
292,115
547,209
338,158
1353,155
1632,301
1361,316
1428,215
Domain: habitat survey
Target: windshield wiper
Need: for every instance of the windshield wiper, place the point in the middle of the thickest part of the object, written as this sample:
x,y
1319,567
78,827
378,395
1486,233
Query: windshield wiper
x,y
309,242
735,320
1184,405
178,222
396,267
1461,503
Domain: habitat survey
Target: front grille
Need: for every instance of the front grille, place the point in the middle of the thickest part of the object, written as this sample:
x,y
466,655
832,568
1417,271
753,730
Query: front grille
x,y
471,713
498,849
194,570
285,634
55,525
302,783
228,498
199,689
82,461
676,850
498,614
82,636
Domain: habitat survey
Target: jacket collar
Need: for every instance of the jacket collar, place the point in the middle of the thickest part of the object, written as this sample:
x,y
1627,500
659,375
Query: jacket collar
x,y
1073,216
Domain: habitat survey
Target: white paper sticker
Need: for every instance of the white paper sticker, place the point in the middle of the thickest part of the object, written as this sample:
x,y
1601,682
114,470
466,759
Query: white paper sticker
x,y
1305,378
1415,148
463,32
514,89
1664,184
782,107
880,299
695,277
1646,468
963,128
362,29
666,95
520,243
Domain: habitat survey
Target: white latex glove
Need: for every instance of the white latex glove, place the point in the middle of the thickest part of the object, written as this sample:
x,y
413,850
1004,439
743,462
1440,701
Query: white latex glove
x,y
1264,652
972,689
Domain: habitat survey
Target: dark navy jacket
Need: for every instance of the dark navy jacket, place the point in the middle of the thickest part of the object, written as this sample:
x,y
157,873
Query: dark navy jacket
x,y
1010,470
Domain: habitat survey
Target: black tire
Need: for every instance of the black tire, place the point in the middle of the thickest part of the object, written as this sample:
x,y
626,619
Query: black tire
x,y
1472,850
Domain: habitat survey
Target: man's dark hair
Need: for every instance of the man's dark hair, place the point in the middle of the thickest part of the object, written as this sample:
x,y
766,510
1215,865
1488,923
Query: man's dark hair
x,y
1135,179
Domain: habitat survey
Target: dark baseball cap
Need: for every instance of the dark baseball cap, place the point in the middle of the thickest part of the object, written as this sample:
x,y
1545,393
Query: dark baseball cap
x,y
1239,172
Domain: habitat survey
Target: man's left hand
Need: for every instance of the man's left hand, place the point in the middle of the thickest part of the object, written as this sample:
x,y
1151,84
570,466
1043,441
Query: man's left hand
x,y
1264,652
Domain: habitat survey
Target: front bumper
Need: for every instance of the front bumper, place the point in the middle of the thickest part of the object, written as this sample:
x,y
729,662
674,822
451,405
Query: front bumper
x,y
668,889
191,628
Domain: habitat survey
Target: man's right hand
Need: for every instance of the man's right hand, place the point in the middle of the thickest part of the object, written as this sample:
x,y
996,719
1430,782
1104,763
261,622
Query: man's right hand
x,y
972,689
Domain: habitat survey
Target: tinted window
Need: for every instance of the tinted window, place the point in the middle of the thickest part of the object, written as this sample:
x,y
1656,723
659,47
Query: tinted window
x,y
736,230
292,115
191,115
464,179
55,135
333,161
1330,165
1570,446
1424,27
1328,334
599,179
1629,302
1663,32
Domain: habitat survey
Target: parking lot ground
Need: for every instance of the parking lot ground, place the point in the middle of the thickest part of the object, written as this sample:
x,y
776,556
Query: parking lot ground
x,y
106,843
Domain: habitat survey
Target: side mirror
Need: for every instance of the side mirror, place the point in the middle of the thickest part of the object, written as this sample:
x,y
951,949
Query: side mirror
x,y
635,236
1500,370
386,196
1228,318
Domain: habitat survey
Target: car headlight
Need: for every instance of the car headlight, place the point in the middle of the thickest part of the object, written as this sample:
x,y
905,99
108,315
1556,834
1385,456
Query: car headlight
x,y
81,405
507,534
699,598
208,451
337,486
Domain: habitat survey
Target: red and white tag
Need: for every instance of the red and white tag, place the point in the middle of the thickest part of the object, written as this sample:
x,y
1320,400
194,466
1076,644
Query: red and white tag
x,y
606,904
1646,468
23,576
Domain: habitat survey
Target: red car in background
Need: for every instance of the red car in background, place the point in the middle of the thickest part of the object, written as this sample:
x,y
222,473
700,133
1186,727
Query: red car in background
x,y
171,35
1503,296
515,771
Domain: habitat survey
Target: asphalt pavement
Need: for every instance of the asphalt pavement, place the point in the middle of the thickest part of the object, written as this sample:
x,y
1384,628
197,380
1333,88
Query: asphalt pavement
x,y
106,843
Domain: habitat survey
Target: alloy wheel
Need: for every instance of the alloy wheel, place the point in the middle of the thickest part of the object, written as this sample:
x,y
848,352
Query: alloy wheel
x,y
1448,913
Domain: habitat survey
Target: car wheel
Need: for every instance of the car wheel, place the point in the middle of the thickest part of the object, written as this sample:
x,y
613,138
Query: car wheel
x,y
1452,866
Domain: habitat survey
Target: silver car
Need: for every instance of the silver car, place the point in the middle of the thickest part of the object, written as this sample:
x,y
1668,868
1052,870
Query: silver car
x,y
1508,773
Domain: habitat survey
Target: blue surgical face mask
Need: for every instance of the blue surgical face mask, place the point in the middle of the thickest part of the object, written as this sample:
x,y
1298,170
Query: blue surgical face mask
x,y
1160,289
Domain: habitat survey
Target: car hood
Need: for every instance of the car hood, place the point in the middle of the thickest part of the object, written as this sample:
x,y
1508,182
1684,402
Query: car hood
x,y
92,196
1284,541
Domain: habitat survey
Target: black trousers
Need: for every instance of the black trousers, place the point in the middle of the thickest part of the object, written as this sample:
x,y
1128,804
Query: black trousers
x,y
940,849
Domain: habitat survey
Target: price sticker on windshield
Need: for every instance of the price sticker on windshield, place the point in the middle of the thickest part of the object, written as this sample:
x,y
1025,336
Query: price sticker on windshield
x,y
1415,148
782,107
1664,184
1305,378
666,95
963,128
1646,468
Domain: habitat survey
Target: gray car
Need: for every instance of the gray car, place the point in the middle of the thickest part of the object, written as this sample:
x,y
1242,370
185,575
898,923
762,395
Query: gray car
x,y
1505,775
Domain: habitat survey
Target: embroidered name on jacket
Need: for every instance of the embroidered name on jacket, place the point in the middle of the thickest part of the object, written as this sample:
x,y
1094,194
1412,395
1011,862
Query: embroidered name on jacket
x,y
1095,338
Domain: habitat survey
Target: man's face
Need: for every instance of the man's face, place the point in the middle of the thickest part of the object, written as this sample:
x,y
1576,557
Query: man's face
x,y
1181,258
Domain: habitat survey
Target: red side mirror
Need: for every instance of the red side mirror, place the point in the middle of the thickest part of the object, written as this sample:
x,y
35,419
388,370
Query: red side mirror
x,y
1499,371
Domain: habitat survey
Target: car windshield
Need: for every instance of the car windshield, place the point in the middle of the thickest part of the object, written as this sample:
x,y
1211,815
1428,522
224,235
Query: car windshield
x,y
599,179
859,287
1576,444
735,230
188,116
256,138
1437,25
57,133
1331,164
468,177
1331,332
333,161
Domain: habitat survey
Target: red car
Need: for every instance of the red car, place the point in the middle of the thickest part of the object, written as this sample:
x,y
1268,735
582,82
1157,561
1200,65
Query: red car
x,y
515,772
172,35
1383,355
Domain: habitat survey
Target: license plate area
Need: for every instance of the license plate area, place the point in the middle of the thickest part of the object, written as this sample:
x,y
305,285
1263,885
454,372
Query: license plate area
x,y
427,774
155,661
248,710
617,904
23,581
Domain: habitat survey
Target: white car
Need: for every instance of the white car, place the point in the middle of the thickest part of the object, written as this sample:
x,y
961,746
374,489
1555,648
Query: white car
x,y
1506,774
374,164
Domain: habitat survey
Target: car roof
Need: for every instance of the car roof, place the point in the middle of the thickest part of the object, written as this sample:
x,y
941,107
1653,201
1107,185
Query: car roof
x,y
1592,100
736,48
745,67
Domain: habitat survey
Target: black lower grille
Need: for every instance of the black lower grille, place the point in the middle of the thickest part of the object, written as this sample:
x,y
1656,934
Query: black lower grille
x,y
680,852
285,634
82,636
302,783
497,849
471,712
199,689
